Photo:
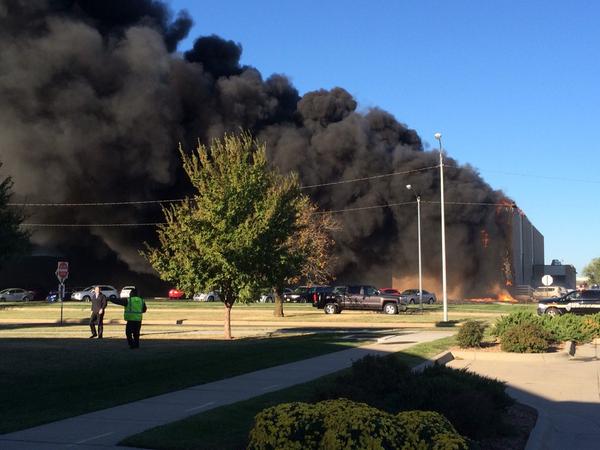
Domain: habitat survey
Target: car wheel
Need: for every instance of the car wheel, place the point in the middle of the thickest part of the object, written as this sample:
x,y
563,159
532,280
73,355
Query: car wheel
x,y
210,299
26,299
431,301
112,297
330,308
412,301
390,308
270,299
86,298
2,299
553,312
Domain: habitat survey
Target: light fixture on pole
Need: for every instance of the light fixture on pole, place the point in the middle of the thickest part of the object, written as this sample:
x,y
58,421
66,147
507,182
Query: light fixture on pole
x,y
418,197
438,137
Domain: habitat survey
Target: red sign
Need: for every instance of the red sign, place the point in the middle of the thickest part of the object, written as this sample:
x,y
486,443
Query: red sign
x,y
62,271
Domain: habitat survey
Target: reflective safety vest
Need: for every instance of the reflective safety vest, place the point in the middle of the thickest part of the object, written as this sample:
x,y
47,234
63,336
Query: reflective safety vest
x,y
134,309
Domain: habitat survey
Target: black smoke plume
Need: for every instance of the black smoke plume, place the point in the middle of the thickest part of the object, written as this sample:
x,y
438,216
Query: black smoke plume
x,y
95,99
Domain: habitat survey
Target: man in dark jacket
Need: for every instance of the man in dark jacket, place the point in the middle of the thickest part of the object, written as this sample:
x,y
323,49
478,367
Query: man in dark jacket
x,y
135,306
99,303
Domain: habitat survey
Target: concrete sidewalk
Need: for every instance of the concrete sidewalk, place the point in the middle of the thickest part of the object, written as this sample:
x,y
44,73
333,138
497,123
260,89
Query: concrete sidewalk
x,y
105,428
565,391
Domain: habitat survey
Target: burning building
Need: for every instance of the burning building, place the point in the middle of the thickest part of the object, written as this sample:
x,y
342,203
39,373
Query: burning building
x,y
101,118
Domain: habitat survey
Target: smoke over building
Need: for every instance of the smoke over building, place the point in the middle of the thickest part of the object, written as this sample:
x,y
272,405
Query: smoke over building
x,y
96,99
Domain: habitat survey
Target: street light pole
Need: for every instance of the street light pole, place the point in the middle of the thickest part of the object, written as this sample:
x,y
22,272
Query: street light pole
x,y
418,196
438,136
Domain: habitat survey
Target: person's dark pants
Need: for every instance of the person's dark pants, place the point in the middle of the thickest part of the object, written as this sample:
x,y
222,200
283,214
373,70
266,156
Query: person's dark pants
x,y
97,318
132,331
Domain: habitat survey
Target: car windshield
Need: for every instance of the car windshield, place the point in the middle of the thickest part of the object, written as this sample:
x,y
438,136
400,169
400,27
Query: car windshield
x,y
301,290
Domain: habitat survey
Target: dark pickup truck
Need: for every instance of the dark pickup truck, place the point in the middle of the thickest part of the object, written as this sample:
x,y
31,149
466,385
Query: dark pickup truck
x,y
358,297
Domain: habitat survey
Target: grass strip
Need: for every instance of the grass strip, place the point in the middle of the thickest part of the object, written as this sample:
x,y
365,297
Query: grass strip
x,y
44,380
228,427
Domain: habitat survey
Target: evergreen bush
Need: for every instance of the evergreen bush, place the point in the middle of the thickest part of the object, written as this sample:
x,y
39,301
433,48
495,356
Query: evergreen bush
x,y
343,424
470,334
526,338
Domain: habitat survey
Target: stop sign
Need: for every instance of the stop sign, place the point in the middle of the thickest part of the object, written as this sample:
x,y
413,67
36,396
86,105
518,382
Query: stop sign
x,y
62,271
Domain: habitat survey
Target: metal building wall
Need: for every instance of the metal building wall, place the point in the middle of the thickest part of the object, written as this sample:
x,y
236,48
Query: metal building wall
x,y
527,249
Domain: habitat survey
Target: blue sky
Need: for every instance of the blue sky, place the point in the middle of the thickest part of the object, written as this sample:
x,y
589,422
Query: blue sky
x,y
513,86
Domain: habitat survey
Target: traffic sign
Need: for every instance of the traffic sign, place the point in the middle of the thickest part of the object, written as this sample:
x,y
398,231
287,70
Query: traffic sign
x,y
62,271
547,280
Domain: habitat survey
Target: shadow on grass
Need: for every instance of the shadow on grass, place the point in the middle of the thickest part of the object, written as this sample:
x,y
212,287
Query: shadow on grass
x,y
46,380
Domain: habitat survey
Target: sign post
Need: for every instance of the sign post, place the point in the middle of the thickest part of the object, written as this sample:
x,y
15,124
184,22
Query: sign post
x,y
62,273
547,280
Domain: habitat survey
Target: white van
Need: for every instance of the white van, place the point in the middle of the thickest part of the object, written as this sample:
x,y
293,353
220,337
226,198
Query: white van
x,y
549,291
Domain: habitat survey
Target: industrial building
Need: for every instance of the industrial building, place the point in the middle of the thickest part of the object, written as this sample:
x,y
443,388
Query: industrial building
x,y
527,253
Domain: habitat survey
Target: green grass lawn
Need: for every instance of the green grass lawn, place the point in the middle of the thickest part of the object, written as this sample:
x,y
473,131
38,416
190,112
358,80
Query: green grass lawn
x,y
45,380
228,427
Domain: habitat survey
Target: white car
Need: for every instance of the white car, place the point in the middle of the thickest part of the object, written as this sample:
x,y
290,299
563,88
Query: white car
x,y
16,295
207,296
126,291
269,297
87,293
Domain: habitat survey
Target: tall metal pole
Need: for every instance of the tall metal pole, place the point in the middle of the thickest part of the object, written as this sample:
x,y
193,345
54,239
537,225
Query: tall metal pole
x,y
419,239
438,136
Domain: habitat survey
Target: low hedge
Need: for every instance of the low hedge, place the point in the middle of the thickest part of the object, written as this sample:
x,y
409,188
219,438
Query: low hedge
x,y
470,334
386,384
343,424
566,327
526,338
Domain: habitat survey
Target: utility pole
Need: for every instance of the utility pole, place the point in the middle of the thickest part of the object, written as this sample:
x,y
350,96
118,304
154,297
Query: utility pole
x,y
438,136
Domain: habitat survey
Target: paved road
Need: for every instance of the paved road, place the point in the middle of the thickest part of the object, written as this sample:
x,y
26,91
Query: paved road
x,y
104,429
564,391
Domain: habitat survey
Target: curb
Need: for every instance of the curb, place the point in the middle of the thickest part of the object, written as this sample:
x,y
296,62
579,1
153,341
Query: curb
x,y
439,359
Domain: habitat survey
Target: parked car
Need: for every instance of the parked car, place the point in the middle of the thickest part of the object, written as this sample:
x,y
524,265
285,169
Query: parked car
x,y
358,297
126,291
87,293
16,295
175,294
548,292
586,301
269,297
53,295
305,294
207,296
412,296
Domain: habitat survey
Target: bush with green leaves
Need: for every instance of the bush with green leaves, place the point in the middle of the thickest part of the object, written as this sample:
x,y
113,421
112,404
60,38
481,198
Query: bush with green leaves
x,y
470,334
526,338
385,383
343,424
516,318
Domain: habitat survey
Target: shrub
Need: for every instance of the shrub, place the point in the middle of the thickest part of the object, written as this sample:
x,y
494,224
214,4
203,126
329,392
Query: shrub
x,y
592,325
504,323
570,327
370,380
453,393
470,334
526,338
447,391
343,424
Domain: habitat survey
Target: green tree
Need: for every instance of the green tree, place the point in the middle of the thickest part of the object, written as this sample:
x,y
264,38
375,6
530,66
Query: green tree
x,y
13,240
233,234
592,271
314,240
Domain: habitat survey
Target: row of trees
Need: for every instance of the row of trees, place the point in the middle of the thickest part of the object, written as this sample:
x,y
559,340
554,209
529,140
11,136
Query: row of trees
x,y
246,228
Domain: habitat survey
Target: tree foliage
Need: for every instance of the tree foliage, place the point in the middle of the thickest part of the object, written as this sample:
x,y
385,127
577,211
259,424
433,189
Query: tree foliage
x,y
592,271
13,240
233,235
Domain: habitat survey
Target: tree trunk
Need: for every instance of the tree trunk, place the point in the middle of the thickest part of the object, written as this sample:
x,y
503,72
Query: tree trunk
x,y
278,311
228,307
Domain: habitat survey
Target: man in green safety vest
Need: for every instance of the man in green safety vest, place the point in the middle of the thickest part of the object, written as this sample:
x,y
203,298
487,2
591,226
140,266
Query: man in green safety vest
x,y
135,306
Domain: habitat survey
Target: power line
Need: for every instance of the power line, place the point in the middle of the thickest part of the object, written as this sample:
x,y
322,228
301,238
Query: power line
x,y
335,211
138,202
529,175
178,200
353,180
